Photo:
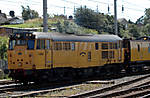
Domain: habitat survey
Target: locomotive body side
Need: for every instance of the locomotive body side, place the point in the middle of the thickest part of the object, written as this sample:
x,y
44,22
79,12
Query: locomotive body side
x,y
44,56
87,51
140,51
86,54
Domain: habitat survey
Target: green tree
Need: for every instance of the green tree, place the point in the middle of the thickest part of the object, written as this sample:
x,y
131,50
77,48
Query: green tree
x,y
147,29
147,16
109,27
140,20
60,27
72,28
134,30
3,47
143,23
27,13
145,19
88,18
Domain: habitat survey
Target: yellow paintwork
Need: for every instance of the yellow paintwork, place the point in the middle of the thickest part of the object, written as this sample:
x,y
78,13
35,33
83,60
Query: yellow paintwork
x,y
143,54
75,60
29,58
14,58
45,59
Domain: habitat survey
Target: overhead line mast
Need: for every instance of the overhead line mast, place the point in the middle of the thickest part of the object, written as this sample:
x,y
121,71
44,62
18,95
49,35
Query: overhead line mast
x,y
45,25
115,17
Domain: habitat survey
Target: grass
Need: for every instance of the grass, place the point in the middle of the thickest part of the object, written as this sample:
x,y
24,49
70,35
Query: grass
x,y
34,23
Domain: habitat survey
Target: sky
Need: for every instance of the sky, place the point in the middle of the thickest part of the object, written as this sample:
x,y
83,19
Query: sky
x,y
133,9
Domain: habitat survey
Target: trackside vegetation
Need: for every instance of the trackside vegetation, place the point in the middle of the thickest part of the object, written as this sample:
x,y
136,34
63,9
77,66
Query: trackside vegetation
x,y
3,47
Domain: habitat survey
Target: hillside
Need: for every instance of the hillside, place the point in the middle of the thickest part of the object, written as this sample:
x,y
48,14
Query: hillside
x,y
59,24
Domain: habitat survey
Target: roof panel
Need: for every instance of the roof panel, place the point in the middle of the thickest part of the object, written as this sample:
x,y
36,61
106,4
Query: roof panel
x,y
72,37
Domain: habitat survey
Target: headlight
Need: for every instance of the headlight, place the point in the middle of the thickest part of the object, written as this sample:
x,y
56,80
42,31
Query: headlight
x,y
20,64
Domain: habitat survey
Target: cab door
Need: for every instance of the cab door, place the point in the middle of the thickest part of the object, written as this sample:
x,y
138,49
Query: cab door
x,y
48,54
40,54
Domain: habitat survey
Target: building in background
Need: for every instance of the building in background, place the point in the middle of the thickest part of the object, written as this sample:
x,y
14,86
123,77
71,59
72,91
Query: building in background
x,y
3,18
10,19
16,20
124,22
6,31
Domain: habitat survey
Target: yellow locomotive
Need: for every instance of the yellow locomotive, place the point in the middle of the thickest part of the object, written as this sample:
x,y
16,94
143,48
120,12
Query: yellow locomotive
x,y
33,56
137,54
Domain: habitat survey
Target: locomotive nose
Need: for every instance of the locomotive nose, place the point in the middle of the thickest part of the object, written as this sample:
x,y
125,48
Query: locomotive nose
x,y
24,59
20,59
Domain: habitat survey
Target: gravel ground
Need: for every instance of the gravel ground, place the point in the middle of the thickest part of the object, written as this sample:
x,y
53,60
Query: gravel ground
x,y
86,87
123,88
75,90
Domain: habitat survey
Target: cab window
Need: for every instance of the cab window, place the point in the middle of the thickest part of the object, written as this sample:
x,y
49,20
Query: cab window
x,y
20,42
30,44
40,44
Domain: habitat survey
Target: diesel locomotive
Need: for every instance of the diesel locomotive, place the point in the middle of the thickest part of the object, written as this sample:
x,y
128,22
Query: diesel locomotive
x,y
36,56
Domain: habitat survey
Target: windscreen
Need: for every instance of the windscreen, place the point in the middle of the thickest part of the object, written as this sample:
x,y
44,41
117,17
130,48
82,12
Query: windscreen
x,y
29,43
21,42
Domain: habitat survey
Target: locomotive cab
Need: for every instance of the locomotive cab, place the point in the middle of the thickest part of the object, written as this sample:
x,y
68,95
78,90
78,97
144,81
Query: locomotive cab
x,y
20,54
21,46
27,54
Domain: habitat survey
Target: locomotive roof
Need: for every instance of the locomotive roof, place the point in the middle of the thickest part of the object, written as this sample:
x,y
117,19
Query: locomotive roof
x,y
76,38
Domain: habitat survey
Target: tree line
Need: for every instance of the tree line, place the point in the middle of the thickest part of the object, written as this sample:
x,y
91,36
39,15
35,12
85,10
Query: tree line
x,y
104,23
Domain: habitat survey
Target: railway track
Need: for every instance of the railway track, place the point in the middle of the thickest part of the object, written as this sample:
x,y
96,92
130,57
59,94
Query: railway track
x,y
3,82
43,91
126,92
18,90
7,84
136,92
33,89
119,89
